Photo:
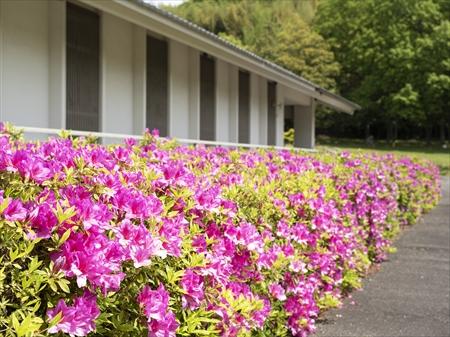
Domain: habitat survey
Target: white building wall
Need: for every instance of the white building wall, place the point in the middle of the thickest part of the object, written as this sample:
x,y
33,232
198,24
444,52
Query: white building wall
x,y
57,64
178,90
117,75
139,79
32,79
279,119
194,94
222,101
24,62
304,125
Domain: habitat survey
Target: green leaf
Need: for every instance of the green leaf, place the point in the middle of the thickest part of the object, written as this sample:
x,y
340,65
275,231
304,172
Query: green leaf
x,y
15,322
4,204
64,237
63,284
52,285
55,320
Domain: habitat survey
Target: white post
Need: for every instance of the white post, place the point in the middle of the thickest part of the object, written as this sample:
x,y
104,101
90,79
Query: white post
x,y
117,75
254,109
304,125
57,63
222,101
178,90
279,127
194,94
233,73
139,79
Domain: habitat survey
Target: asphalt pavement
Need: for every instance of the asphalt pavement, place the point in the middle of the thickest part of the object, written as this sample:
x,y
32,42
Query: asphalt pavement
x,y
409,295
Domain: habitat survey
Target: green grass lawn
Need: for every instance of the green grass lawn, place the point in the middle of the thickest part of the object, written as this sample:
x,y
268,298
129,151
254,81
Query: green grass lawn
x,y
434,152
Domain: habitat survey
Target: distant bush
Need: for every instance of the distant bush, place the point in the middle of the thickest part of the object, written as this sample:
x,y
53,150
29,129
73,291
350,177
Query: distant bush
x,y
158,239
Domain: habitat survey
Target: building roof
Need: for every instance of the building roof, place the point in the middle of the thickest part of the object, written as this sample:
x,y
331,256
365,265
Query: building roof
x,y
350,106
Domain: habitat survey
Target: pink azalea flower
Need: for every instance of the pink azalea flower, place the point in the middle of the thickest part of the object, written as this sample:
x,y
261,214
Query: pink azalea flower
x,y
15,211
139,244
192,284
77,319
155,304
277,291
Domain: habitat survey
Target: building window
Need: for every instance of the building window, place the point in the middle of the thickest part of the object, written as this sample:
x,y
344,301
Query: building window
x,y
157,85
271,112
244,107
207,98
83,69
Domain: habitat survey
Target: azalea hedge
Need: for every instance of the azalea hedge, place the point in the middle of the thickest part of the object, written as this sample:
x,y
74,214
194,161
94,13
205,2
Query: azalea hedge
x,y
152,238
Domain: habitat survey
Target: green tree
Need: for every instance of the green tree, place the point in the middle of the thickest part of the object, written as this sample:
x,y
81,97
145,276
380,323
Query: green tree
x,y
395,58
306,53
276,30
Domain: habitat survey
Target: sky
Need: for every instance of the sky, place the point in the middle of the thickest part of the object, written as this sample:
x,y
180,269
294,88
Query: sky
x,y
165,2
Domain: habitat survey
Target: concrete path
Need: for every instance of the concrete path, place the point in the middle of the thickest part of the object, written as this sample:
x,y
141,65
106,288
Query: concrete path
x,y
409,295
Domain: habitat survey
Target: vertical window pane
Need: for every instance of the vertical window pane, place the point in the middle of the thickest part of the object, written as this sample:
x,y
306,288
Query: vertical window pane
x,y
271,112
83,69
207,98
157,85
244,107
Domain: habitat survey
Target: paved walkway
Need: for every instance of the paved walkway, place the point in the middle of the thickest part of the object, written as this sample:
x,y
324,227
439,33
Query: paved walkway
x,y
409,296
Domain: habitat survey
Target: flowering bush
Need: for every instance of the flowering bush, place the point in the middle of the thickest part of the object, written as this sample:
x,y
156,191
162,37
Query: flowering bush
x,y
158,239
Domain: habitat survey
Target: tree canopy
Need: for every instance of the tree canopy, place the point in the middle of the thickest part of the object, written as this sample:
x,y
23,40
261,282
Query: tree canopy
x,y
395,57
276,30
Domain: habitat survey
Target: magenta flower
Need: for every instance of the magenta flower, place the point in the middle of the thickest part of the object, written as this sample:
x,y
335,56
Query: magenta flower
x,y
15,211
166,327
140,246
265,228
155,304
42,221
77,319
92,258
192,284
277,291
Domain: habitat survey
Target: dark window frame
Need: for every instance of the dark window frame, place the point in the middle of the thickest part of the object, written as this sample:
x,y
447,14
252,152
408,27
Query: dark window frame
x,y
157,84
271,112
244,91
208,97
83,66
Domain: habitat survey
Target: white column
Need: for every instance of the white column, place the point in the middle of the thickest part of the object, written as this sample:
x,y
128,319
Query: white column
x,y
24,62
254,109
194,94
262,111
279,127
57,64
139,79
178,90
233,87
304,125
117,75
222,101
